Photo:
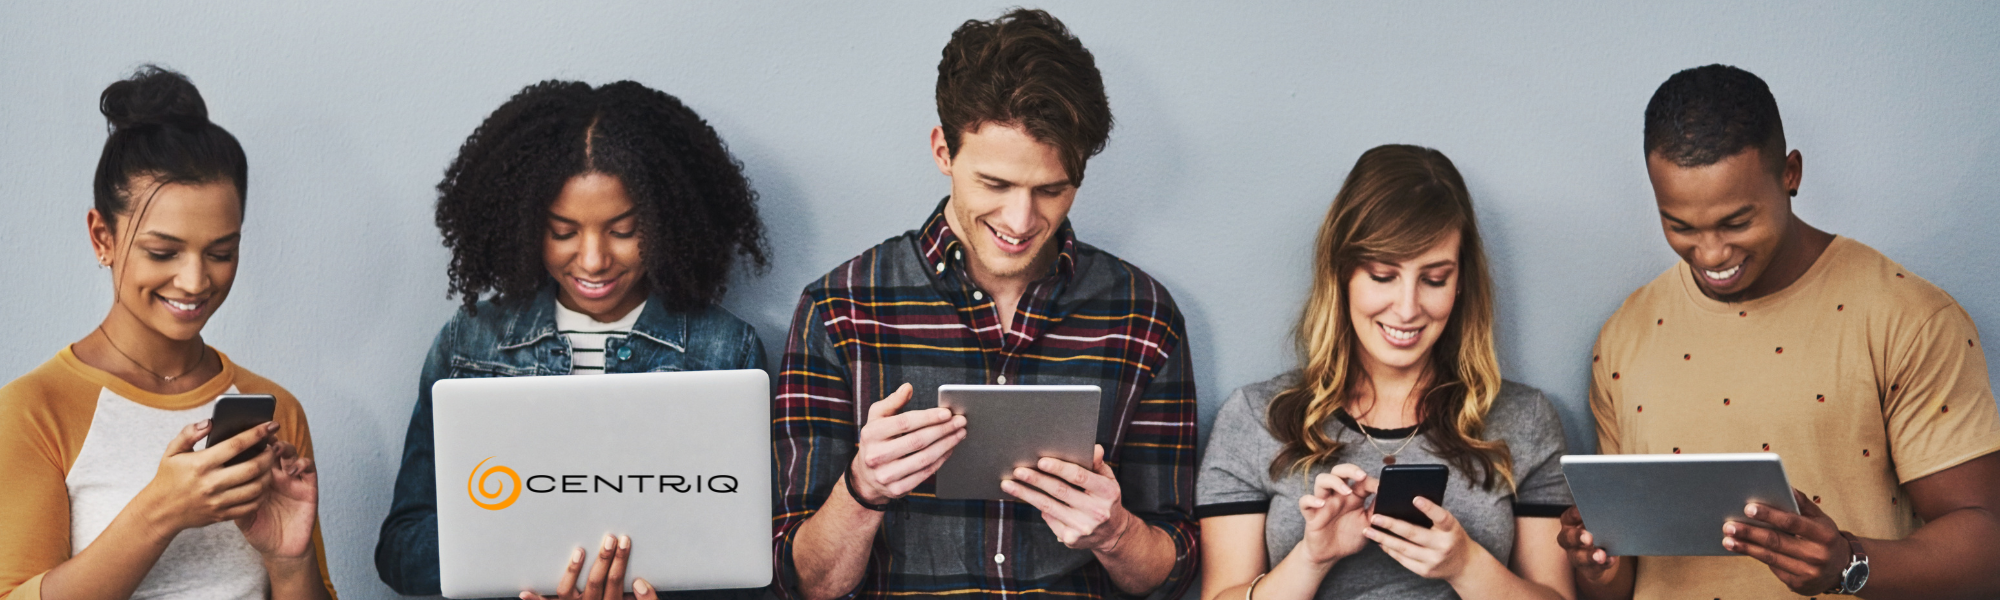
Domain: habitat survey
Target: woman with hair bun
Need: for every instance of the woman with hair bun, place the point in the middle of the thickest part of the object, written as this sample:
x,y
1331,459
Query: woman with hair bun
x,y
592,230
94,508
1397,366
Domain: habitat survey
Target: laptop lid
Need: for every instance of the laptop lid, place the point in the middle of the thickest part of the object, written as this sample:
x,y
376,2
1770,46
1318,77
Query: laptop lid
x,y
1672,504
529,468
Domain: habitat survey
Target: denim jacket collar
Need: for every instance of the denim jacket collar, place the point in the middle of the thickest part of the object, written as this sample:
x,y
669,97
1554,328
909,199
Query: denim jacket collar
x,y
537,321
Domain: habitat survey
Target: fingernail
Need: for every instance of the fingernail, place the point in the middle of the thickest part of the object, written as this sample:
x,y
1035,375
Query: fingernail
x,y
271,426
624,542
1729,528
528,596
607,542
576,555
640,586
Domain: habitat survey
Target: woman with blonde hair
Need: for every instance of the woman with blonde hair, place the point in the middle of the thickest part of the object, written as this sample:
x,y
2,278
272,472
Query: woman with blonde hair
x,y
1397,367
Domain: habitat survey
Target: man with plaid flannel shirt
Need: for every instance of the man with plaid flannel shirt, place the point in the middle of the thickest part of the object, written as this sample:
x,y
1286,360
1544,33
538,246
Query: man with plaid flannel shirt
x,y
994,288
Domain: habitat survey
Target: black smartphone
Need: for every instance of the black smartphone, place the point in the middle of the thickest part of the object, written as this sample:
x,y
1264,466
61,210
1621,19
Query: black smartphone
x,y
237,413
1402,484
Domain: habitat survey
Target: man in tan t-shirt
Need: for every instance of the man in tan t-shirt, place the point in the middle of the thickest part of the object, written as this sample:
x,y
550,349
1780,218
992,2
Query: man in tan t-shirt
x,y
1773,336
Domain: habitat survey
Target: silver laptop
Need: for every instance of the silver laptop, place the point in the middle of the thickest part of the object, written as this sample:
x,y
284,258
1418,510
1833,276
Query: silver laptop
x,y
529,468
1010,426
1672,504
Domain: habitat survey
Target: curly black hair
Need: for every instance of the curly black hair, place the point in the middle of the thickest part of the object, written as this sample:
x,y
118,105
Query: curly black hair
x,y
696,210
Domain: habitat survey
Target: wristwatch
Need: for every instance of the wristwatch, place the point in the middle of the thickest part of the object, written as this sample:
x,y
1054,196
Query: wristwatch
x,y
1856,574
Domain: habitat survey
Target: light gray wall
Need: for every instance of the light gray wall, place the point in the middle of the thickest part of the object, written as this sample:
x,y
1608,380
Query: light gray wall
x,y
1236,123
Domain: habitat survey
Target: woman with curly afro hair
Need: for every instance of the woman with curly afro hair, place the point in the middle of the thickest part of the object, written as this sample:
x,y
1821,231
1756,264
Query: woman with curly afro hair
x,y
592,230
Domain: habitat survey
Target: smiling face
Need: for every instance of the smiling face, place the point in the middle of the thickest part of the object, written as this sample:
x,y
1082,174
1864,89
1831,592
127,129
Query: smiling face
x,y
1009,195
1729,220
1400,309
592,248
173,265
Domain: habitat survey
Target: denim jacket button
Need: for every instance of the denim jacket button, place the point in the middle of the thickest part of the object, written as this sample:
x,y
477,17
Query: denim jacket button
x,y
625,353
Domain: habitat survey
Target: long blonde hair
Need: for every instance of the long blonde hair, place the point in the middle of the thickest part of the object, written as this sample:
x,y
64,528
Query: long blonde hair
x,y
1397,202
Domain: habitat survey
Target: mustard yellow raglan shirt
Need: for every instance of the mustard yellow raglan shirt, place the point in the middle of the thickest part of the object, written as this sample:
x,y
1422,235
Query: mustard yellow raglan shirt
x,y
78,443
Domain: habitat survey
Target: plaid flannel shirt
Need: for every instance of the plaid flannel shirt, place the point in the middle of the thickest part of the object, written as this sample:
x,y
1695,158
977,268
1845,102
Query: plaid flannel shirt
x,y
905,311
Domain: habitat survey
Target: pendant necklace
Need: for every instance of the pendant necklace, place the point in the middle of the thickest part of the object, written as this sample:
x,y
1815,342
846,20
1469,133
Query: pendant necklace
x,y
1389,458
155,374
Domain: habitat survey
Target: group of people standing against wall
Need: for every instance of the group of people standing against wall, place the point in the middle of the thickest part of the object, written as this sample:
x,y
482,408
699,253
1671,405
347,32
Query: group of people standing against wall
x,y
594,229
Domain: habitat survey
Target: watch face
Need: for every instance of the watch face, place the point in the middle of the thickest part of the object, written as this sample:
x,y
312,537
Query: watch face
x,y
1857,576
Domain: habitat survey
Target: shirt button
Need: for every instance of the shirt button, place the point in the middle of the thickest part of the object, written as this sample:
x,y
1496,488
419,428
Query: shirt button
x,y
1002,379
999,558
957,255
978,295
625,353
940,266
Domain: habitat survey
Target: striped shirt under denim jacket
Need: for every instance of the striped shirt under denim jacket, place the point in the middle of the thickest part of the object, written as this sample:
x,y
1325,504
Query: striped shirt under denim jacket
x,y
906,311
506,339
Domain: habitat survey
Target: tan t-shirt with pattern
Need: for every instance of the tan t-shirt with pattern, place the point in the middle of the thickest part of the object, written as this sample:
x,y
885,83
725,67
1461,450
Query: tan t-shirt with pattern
x,y
1861,375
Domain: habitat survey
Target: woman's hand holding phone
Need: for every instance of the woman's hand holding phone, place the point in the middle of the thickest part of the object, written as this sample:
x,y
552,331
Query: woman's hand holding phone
x,y
281,526
1335,514
1439,552
194,488
607,575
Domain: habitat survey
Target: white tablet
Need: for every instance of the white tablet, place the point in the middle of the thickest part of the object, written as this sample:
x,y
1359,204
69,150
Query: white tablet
x,y
1672,504
1008,426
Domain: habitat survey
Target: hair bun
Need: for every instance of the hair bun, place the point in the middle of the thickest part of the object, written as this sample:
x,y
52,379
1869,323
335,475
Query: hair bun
x,y
153,96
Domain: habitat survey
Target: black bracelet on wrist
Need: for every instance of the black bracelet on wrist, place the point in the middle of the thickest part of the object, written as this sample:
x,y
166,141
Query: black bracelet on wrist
x,y
856,494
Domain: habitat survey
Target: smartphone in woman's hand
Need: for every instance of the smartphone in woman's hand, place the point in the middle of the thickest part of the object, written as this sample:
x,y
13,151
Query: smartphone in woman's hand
x,y
1402,484
237,413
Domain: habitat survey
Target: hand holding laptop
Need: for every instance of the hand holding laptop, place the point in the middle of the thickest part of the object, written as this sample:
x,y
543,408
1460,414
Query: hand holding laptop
x,y
607,575
898,451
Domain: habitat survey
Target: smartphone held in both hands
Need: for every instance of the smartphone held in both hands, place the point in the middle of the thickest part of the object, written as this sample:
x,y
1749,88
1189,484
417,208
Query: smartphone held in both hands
x,y
1401,485
237,413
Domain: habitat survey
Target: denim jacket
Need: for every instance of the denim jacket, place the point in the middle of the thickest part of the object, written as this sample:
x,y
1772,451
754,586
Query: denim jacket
x,y
515,340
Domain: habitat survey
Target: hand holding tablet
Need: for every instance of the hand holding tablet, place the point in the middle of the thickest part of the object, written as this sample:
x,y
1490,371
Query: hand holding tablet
x,y
895,452
1665,504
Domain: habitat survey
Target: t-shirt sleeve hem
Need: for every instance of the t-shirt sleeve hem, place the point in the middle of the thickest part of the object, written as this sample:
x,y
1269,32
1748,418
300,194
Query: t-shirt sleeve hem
x,y
1906,476
1547,511
29,590
1224,509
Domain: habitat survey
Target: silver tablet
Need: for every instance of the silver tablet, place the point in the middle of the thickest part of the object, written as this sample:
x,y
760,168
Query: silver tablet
x,y
1672,504
1010,426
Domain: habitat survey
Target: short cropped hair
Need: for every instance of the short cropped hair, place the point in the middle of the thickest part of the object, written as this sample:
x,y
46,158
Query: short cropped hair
x,y
1024,69
1705,114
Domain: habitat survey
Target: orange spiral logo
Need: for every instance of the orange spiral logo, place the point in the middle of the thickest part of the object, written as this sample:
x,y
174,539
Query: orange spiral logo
x,y
475,490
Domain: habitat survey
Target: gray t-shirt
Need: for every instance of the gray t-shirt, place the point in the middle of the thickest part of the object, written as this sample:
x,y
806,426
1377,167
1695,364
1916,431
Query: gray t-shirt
x,y
1235,479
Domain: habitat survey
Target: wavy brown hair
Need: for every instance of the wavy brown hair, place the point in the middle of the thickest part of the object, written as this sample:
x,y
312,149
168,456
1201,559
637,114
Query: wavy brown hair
x,y
1397,202
1024,69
